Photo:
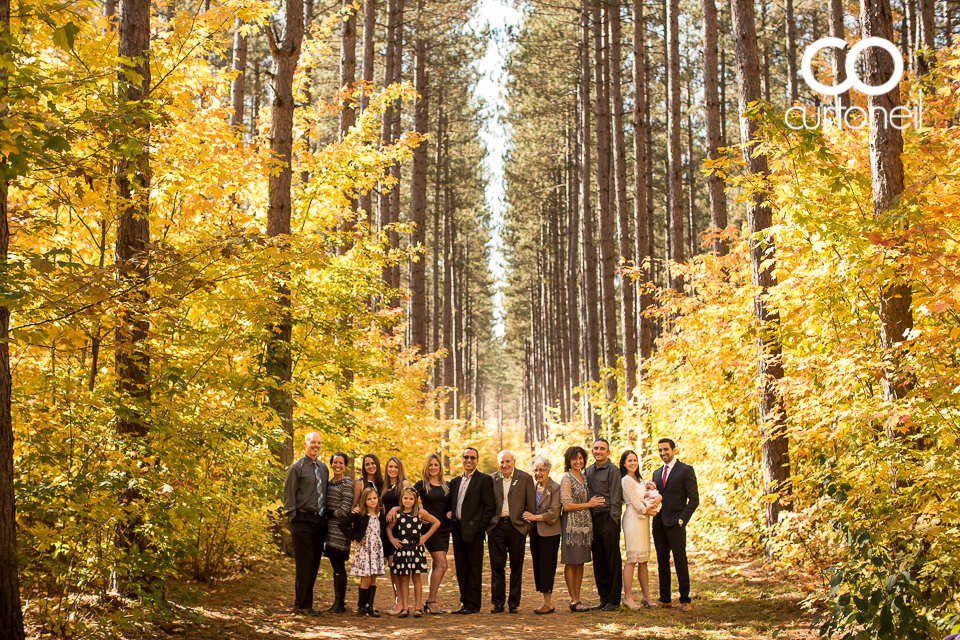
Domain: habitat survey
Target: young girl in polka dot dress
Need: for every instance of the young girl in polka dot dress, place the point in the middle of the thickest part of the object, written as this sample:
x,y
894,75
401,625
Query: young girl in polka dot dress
x,y
410,558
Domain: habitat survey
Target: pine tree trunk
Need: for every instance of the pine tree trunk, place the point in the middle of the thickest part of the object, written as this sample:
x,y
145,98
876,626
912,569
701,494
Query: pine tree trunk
x,y
627,313
573,259
839,57
691,182
910,15
369,33
926,59
674,160
640,161
448,374
348,68
395,136
766,51
437,241
774,442
886,147
238,87
711,115
793,91
418,195
279,360
11,613
591,323
386,131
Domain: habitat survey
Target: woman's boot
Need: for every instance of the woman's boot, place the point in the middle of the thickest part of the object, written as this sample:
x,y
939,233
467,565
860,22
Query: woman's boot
x,y
373,613
339,593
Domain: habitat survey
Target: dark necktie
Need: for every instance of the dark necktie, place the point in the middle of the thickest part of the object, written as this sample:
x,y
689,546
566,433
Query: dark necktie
x,y
316,471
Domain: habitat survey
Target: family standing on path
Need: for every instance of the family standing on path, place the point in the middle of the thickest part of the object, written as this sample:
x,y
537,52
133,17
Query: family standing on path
x,y
394,525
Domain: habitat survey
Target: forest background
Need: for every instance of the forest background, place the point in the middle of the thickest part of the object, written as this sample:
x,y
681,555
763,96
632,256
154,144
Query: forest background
x,y
225,224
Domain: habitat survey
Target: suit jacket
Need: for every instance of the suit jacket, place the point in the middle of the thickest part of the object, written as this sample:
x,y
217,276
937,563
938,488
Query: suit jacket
x,y
522,497
681,497
550,509
478,505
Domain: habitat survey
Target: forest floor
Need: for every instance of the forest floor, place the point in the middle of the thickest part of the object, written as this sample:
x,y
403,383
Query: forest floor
x,y
741,600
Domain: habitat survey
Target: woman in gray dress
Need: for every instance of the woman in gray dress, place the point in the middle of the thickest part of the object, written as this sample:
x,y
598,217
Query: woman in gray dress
x,y
576,521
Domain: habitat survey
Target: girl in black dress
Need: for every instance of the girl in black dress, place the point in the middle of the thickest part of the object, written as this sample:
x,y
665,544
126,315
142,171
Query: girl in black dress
x,y
435,496
410,558
394,483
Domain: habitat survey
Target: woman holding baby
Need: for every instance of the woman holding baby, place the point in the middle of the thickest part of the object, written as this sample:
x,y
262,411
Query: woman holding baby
x,y
641,500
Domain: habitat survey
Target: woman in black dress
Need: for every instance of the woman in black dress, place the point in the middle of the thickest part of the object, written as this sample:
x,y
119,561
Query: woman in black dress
x,y
435,497
370,476
393,484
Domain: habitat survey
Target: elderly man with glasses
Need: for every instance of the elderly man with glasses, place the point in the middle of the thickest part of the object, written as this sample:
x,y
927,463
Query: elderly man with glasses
x,y
473,505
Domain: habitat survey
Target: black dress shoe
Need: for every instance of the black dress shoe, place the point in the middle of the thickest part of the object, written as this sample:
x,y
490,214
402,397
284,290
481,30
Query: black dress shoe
x,y
514,609
610,607
465,610
597,607
307,612
497,609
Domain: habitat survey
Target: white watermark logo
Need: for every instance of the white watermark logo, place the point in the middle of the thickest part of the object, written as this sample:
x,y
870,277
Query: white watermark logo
x,y
898,117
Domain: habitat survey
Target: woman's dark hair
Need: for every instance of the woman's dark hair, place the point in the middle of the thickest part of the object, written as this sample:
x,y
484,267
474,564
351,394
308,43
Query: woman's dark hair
x,y
570,454
377,477
623,464
341,454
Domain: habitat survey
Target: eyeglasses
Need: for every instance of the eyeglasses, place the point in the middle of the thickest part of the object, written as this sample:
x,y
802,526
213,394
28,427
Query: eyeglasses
x,y
469,457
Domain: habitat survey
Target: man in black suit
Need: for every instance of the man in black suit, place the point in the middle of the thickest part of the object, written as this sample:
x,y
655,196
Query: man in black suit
x,y
514,493
473,505
677,483
304,489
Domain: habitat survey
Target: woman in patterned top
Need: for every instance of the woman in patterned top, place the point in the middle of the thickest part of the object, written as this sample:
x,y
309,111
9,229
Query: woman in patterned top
x,y
410,558
337,504
577,524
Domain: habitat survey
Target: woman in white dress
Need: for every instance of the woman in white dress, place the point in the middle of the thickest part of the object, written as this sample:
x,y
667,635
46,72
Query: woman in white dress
x,y
636,529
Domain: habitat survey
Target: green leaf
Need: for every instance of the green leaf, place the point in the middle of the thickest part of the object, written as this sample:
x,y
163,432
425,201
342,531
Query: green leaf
x,y
65,36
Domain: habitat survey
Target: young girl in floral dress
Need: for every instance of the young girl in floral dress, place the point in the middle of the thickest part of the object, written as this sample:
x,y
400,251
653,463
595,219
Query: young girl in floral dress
x,y
410,559
364,529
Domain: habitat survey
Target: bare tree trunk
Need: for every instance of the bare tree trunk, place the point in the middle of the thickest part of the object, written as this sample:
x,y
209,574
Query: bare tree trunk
x,y
589,248
11,613
839,57
774,445
793,92
640,161
674,160
279,360
627,315
369,32
886,147
711,116
238,88
133,227
418,194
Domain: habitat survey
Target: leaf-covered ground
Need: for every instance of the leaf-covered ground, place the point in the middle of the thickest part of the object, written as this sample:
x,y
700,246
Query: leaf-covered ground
x,y
730,600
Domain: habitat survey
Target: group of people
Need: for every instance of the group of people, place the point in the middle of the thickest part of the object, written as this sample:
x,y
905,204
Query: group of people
x,y
394,525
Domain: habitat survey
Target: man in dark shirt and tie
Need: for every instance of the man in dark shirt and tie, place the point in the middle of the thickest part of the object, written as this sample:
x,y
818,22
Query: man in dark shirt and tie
x,y
303,490
677,483
603,479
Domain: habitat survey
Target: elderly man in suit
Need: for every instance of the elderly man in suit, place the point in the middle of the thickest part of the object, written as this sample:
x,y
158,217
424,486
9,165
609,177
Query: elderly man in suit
x,y
472,496
304,488
514,493
677,483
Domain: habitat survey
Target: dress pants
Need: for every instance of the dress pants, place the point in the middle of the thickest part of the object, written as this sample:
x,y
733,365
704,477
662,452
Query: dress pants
x,y
544,551
468,559
607,568
505,541
669,540
308,532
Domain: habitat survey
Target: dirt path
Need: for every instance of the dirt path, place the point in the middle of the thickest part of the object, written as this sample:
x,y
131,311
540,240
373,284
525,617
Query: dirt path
x,y
731,600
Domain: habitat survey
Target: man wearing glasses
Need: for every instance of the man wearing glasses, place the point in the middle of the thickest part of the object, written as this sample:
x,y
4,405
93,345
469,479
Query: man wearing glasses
x,y
473,506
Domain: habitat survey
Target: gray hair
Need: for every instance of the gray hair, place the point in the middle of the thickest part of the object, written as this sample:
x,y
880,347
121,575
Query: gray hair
x,y
541,460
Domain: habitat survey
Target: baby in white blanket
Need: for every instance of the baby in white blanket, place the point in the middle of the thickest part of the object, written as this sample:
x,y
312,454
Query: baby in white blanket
x,y
651,500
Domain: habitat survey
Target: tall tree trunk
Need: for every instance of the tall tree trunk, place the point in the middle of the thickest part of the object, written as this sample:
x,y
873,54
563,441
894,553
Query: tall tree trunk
x,y
369,33
348,69
279,360
910,15
418,193
437,240
886,147
926,59
255,116
11,614
573,256
627,314
133,227
839,57
674,160
766,51
793,91
640,161
386,131
691,181
395,136
723,98
711,116
589,248
774,443
448,374
238,87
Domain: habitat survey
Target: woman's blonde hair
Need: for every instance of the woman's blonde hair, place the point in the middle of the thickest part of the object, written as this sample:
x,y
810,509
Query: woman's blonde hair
x,y
366,493
425,474
401,476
